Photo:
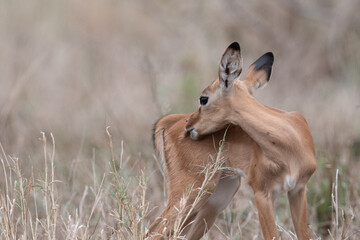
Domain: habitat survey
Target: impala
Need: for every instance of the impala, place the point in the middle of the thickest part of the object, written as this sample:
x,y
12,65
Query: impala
x,y
272,147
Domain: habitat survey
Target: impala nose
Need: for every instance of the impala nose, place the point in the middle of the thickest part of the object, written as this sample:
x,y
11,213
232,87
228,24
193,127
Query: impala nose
x,y
193,133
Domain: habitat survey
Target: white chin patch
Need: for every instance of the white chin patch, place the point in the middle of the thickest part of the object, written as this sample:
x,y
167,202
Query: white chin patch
x,y
194,135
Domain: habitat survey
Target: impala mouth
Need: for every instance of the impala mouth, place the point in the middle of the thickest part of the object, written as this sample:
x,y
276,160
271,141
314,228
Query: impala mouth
x,y
187,130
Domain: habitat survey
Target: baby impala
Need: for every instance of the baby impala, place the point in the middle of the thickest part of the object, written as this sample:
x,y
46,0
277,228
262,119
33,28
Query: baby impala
x,y
273,148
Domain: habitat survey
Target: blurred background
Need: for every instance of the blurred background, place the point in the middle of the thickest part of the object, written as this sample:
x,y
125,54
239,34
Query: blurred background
x,y
75,67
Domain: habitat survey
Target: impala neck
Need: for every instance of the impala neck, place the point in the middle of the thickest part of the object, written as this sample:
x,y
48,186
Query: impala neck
x,y
266,126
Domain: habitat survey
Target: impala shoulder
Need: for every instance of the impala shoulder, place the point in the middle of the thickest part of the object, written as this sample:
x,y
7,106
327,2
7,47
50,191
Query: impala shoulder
x,y
303,129
299,124
298,117
296,114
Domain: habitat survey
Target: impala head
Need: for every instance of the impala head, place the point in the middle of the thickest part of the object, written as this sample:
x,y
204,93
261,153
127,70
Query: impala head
x,y
216,100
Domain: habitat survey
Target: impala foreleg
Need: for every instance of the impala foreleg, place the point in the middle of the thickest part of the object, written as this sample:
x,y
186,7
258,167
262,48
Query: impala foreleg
x,y
266,215
298,207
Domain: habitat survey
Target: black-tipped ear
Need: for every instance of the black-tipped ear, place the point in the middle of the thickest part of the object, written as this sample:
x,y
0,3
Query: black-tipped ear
x,y
230,65
259,72
265,62
235,46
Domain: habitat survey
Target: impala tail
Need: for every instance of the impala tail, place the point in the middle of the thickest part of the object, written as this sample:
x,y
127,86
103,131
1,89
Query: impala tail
x,y
160,128
158,137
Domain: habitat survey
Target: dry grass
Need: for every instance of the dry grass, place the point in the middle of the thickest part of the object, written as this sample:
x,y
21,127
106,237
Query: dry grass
x,y
72,68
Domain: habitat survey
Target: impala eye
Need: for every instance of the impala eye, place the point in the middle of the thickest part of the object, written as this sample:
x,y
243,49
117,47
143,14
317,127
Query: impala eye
x,y
203,100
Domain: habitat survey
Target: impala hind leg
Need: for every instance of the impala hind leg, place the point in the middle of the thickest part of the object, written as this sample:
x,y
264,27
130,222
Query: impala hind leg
x,y
215,204
164,225
298,207
201,223
266,215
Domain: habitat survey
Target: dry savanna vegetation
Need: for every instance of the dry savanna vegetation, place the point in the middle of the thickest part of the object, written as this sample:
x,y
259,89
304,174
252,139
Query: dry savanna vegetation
x,y
82,82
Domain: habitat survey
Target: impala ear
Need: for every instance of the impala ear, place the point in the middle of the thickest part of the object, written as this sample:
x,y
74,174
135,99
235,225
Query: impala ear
x,y
230,65
259,72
